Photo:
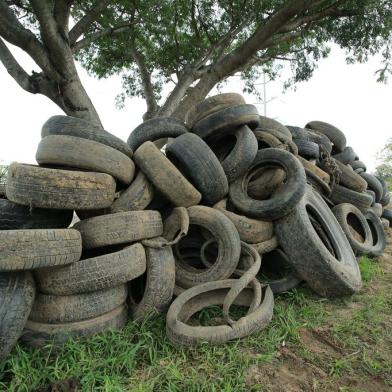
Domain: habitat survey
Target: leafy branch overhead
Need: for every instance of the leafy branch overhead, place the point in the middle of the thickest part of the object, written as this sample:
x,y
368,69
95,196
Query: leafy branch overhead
x,y
189,46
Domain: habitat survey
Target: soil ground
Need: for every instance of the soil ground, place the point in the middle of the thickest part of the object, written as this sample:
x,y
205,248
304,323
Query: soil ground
x,y
312,344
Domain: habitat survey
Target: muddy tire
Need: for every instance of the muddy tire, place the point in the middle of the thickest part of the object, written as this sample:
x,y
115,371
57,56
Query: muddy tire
x,y
307,149
85,154
155,129
35,186
326,275
317,171
208,294
334,134
373,184
151,294
346,156
165,176
15,217
93,274
269,124
378,234
341,194
197,162
136,197
72,126
377,209
282,202
228,240
351,219
32,249
38,335
211,105
119,228
59,309
17,292
358,165
226,120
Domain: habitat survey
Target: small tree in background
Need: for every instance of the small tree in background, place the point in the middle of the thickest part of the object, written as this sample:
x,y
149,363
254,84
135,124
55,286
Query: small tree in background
x,y
384,170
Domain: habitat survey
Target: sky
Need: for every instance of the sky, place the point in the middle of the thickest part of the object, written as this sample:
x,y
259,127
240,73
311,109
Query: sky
x,y
347,96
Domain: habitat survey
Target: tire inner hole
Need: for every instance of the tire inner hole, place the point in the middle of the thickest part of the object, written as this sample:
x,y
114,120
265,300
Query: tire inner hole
x,y
356,228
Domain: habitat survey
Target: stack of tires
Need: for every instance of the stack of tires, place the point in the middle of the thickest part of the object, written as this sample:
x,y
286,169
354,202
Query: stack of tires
x,y
235,208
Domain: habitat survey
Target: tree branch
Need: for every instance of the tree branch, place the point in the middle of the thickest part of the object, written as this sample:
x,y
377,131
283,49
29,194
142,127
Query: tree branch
x,y
61,12
83,24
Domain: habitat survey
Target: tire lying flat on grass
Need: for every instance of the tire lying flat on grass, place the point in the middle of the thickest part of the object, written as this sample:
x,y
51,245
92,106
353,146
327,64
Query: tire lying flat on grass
x,y
93,274
85,154
32,249
40,334
35,186
326,275
17,291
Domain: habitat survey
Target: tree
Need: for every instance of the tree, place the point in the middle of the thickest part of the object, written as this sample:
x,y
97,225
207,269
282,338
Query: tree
x,y
189,46
384,170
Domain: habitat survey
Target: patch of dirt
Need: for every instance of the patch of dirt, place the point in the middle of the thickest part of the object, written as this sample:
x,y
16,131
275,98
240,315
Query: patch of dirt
x,y
320,341
69,385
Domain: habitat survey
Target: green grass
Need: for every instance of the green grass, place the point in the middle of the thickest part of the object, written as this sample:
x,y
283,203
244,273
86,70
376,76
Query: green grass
x,y
142,359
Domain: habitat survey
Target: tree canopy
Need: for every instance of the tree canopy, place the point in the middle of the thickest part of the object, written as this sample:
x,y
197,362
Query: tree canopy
x,y
173,52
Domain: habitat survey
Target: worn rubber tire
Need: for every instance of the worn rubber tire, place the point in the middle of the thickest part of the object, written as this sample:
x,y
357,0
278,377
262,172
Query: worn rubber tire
x,y
59,309
35,186
93,274
165,176
32,249
377,209
358,165
372,194
17,292
283,201
307,149
336,136
317,183
250,230
263,186
317,171
15,217
385,193
225,120
378,233
38,335
341,194
386,224
236,159
373,184
197,162
155,129
269,124
346,156
119,228
312,261
208,294
211,105
387,214
345,212
313,136
72,126
75,152
224,231
154,290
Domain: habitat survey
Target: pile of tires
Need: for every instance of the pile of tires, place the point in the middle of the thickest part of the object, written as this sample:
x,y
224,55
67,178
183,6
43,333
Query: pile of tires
x,y
234,209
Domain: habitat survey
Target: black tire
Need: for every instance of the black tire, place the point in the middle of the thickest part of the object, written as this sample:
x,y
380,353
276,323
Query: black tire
x,y
226,120
317,183
59,309
373,184
334,134
72,126
282,202
387,214
237,157
227,237
17,292
93,274
386,199
38,335
136,197
269,124
155,129
312,136
386,224
346,156
151,293
378,234
15,216
197,162
165,176
341,194
377,209
266,183
211,105
352,220
358,165
32,249
119,228
312,261
385,193
275,263
372,194
35,186
70,151
307,149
